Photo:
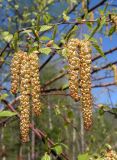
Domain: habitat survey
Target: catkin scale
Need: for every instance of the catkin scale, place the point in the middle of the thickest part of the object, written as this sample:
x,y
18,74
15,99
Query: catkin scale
x,y
25,98
85,83
73,67
15,71
35,83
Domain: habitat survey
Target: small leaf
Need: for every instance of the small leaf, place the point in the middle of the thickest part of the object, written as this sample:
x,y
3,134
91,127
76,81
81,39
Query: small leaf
x,y
83,156
65,17
70,114
95,29
112,30
27,31
54,32
102,22
64,52
65,86
46,157
58,149
7,114
3,96
44,38
45,28
97,47
56,46
7,36
46,50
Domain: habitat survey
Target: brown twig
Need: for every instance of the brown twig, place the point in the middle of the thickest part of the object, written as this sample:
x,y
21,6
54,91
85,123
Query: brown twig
x,y
38,133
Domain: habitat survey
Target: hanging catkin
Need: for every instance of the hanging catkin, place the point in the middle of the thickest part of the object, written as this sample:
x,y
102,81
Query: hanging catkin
x,y
85,83
114,20
15,71
35,83
110,155
73,67
114,67
25,98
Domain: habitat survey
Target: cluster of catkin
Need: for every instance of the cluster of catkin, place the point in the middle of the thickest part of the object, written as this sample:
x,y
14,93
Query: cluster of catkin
x,y
25,79
79,70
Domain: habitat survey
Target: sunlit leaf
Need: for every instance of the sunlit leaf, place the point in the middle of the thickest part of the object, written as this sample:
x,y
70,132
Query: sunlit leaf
x,y
46,157
46,50
83,156
98,48
45,28
7,114
58,149
112,30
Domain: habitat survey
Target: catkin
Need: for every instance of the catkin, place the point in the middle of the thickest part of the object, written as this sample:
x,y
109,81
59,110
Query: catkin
x,y
110,155
25,98
35,83
85,83
73,67
114,67
15,71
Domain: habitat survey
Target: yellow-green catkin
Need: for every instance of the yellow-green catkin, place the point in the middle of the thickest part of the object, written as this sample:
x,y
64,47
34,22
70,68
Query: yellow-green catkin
x,y
85,83
35,83
114,20
114,67
73,67
110,155
15,71
25,98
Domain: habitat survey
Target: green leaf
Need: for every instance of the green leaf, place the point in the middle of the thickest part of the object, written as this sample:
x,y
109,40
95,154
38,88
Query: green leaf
x,y
56,46
65,17
71,33
44,38
27,31
86,36
95,29
54,32
70,114
46,50
65,86
58,149
112,30
45,28
83,156
7,36
64,52
46,157
102,23
3,96
15,41
7,114
98,48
